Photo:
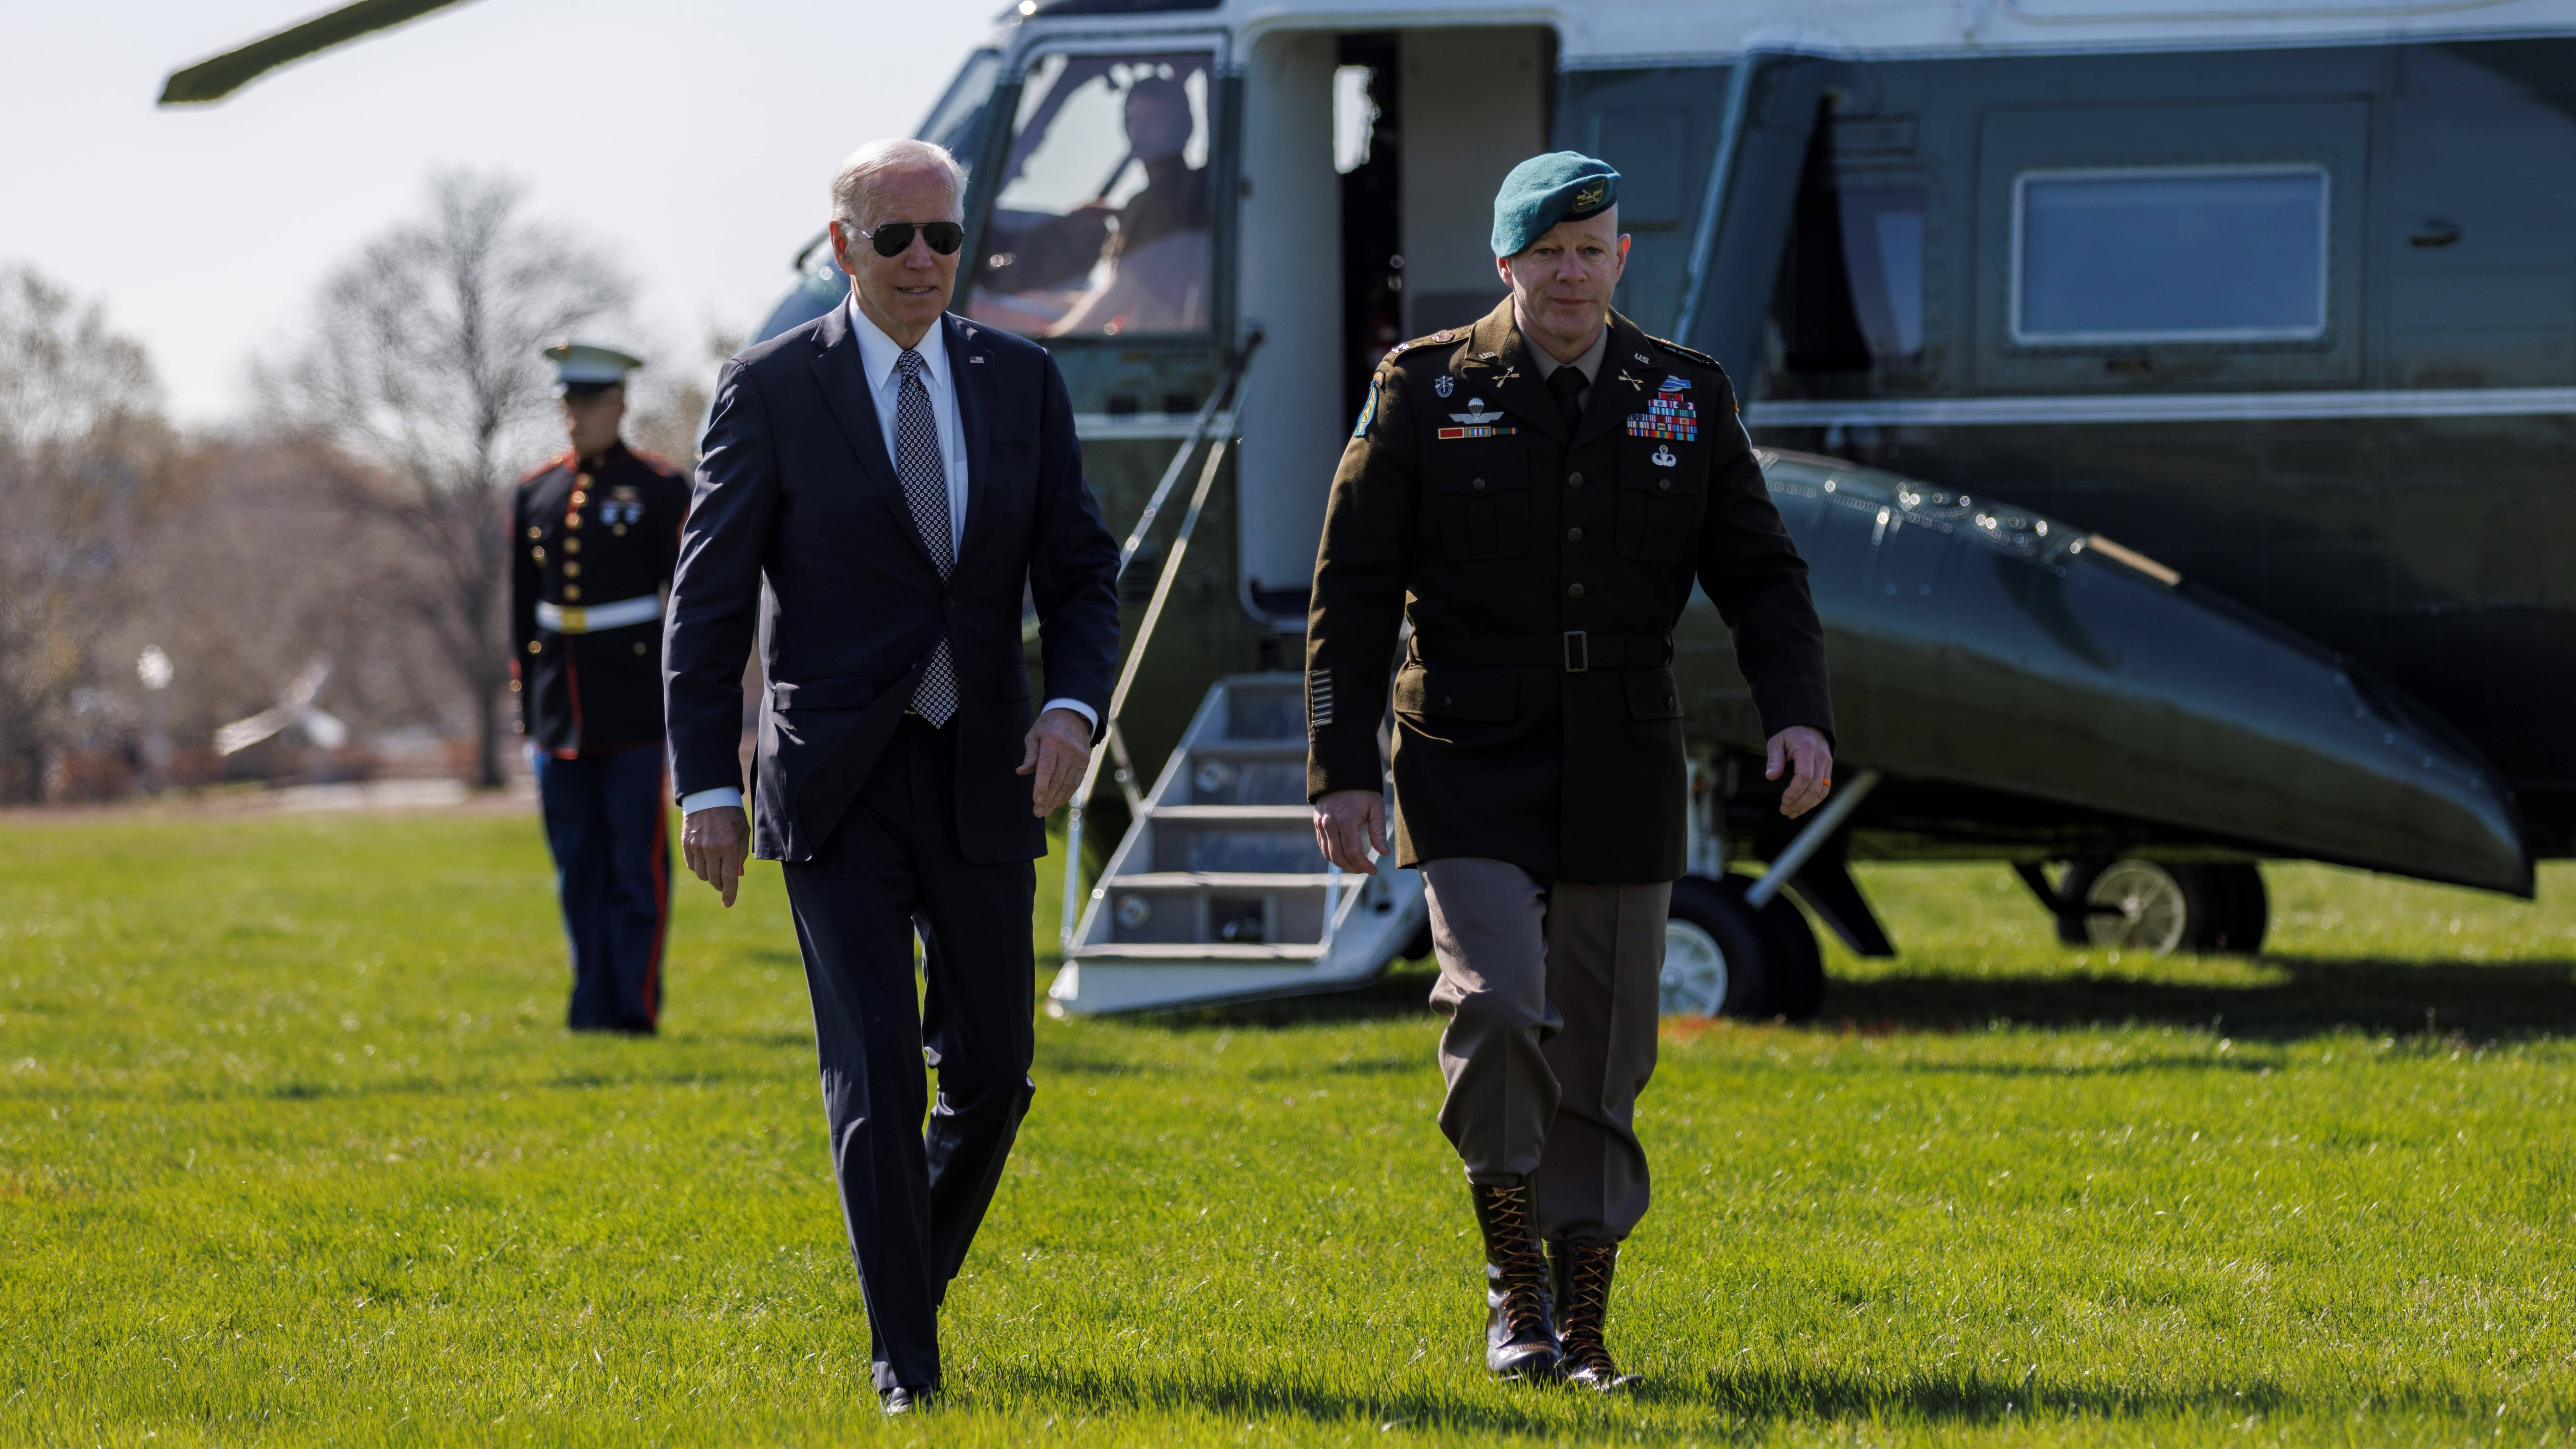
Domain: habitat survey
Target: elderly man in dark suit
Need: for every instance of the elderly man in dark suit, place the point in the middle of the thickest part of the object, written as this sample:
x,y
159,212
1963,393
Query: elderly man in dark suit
x,y
896,477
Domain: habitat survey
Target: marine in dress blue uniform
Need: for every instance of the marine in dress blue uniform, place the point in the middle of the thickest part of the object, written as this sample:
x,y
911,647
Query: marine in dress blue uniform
x,y
594,536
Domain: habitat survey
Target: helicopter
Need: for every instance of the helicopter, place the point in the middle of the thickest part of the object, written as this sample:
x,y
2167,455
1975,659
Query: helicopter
x,y
2173,400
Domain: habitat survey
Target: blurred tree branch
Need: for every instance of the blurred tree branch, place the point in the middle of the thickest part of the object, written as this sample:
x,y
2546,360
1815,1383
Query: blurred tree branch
x,y
423,360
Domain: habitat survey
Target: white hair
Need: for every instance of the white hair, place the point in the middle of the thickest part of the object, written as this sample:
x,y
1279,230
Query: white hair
x,y
859,173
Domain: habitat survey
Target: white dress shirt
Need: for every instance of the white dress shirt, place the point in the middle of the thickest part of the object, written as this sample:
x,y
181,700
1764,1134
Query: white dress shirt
x,y
878,355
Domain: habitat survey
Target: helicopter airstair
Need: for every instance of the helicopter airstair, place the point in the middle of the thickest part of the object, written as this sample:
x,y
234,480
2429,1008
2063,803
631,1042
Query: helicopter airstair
x,y
1218,893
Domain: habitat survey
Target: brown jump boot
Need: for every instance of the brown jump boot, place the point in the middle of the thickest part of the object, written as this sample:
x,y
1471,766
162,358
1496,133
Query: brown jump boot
x,y
1582,1274
1520,1340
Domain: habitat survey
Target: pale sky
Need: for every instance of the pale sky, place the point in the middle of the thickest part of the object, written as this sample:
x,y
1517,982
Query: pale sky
x,y
696,140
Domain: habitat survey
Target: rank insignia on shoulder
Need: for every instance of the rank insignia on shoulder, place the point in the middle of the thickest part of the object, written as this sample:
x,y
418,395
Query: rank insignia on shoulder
x,y
1692,353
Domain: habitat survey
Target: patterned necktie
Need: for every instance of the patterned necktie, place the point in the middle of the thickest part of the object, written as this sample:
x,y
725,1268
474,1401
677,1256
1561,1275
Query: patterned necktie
x,y
925,487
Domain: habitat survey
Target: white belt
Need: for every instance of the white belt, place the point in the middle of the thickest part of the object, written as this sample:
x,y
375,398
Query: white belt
x,y
599,616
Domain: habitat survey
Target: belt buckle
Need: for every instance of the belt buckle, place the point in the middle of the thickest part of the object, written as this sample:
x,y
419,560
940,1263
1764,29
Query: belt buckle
x,y
1578,652
575,621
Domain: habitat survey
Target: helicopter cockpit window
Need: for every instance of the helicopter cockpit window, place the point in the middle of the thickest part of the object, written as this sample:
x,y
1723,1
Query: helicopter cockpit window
x,y
957,122
2235,254
1101,225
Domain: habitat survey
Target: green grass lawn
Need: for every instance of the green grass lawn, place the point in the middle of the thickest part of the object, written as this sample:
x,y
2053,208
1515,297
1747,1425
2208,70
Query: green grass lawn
x,y
293,1148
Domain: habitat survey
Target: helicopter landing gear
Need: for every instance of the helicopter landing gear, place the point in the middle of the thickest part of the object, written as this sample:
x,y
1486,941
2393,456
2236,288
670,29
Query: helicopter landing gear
x,y
2157,907
1725,956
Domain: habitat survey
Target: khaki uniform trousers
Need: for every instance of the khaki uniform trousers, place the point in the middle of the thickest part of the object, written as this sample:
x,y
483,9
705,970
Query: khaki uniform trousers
x,y
1550,988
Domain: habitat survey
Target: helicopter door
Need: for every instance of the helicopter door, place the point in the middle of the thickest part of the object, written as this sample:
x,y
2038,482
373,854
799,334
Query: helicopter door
x,y
1347,249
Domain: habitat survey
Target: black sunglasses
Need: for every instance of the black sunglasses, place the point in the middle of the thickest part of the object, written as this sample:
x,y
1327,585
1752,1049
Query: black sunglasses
x,y
890,240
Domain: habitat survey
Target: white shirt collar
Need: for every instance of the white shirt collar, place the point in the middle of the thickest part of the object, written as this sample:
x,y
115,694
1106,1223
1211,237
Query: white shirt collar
x,y
878,353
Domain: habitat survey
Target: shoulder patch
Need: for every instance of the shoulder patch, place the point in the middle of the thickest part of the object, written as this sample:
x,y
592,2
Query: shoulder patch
x,y
1702,358
1436,339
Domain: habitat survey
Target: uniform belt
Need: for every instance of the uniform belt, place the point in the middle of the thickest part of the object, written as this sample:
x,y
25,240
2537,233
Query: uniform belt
x,y
576,620
1574,651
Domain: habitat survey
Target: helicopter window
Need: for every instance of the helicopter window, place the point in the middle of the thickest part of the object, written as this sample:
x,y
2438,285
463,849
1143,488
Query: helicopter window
x,y
1101,225
1851,295
2170,254
957,121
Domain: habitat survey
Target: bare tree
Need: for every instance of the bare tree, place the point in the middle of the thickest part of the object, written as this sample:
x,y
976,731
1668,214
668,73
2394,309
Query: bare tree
x,y
261,573
83,461
670,401
424,360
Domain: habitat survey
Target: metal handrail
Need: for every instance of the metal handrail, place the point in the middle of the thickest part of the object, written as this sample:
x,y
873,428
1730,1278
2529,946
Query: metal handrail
x,y
1189,444
1118,697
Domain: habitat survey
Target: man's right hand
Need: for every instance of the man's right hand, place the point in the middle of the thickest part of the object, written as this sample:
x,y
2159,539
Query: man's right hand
x,y
716,842
1347,822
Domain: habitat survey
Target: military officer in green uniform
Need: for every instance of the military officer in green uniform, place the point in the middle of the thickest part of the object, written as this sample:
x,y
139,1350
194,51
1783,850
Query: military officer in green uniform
x,y
594,536
1537,493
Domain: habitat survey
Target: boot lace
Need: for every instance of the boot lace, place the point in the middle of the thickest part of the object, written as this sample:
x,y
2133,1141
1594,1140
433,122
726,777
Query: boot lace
x,y
1523,1267
1586,1309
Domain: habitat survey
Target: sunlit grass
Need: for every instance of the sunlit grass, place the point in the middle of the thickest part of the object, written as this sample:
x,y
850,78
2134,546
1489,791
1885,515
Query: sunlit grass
x,y
294,1149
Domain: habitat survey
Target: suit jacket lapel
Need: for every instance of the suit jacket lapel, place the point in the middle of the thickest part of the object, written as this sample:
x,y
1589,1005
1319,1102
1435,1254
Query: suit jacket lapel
x,y
1627,380
974,415
844,380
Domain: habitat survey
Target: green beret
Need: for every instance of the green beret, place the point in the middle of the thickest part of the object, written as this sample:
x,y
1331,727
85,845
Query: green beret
x,y
1544,190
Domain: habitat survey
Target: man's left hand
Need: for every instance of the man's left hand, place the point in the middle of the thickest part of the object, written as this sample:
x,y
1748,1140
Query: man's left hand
x,y
1805,749
1059,750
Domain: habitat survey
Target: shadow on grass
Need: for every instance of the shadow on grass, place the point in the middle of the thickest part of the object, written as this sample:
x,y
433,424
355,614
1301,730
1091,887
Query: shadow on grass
x,y
1748,1397
1403,992
2312,997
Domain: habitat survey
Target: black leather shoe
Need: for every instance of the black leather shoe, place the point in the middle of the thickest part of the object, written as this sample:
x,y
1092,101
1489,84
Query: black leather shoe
x,y
900,1400
1520,1336
1582,1280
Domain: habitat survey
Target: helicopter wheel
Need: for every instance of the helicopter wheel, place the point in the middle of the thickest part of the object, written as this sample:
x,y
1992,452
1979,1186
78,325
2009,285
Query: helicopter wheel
x,y
2160,907
1724,958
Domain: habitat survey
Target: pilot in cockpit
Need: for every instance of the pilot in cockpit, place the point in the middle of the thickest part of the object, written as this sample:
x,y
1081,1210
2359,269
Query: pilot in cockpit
x,y
1153,266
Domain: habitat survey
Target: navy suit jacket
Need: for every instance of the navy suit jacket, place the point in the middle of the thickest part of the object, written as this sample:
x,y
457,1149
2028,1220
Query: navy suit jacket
x,y
799,530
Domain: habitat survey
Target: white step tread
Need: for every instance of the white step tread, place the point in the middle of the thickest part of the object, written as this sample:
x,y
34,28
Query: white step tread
x,y
1219,814
1222,880
1159,953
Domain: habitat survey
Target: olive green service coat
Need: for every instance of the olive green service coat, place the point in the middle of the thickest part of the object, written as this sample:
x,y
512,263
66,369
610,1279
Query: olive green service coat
x,y
1536,718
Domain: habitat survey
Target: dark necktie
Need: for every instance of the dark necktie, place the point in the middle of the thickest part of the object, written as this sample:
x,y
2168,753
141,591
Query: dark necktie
x,y
925,487
1567,383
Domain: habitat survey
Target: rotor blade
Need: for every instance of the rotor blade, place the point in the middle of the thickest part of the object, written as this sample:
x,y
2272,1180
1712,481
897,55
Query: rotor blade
x,y
217,77
241,734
